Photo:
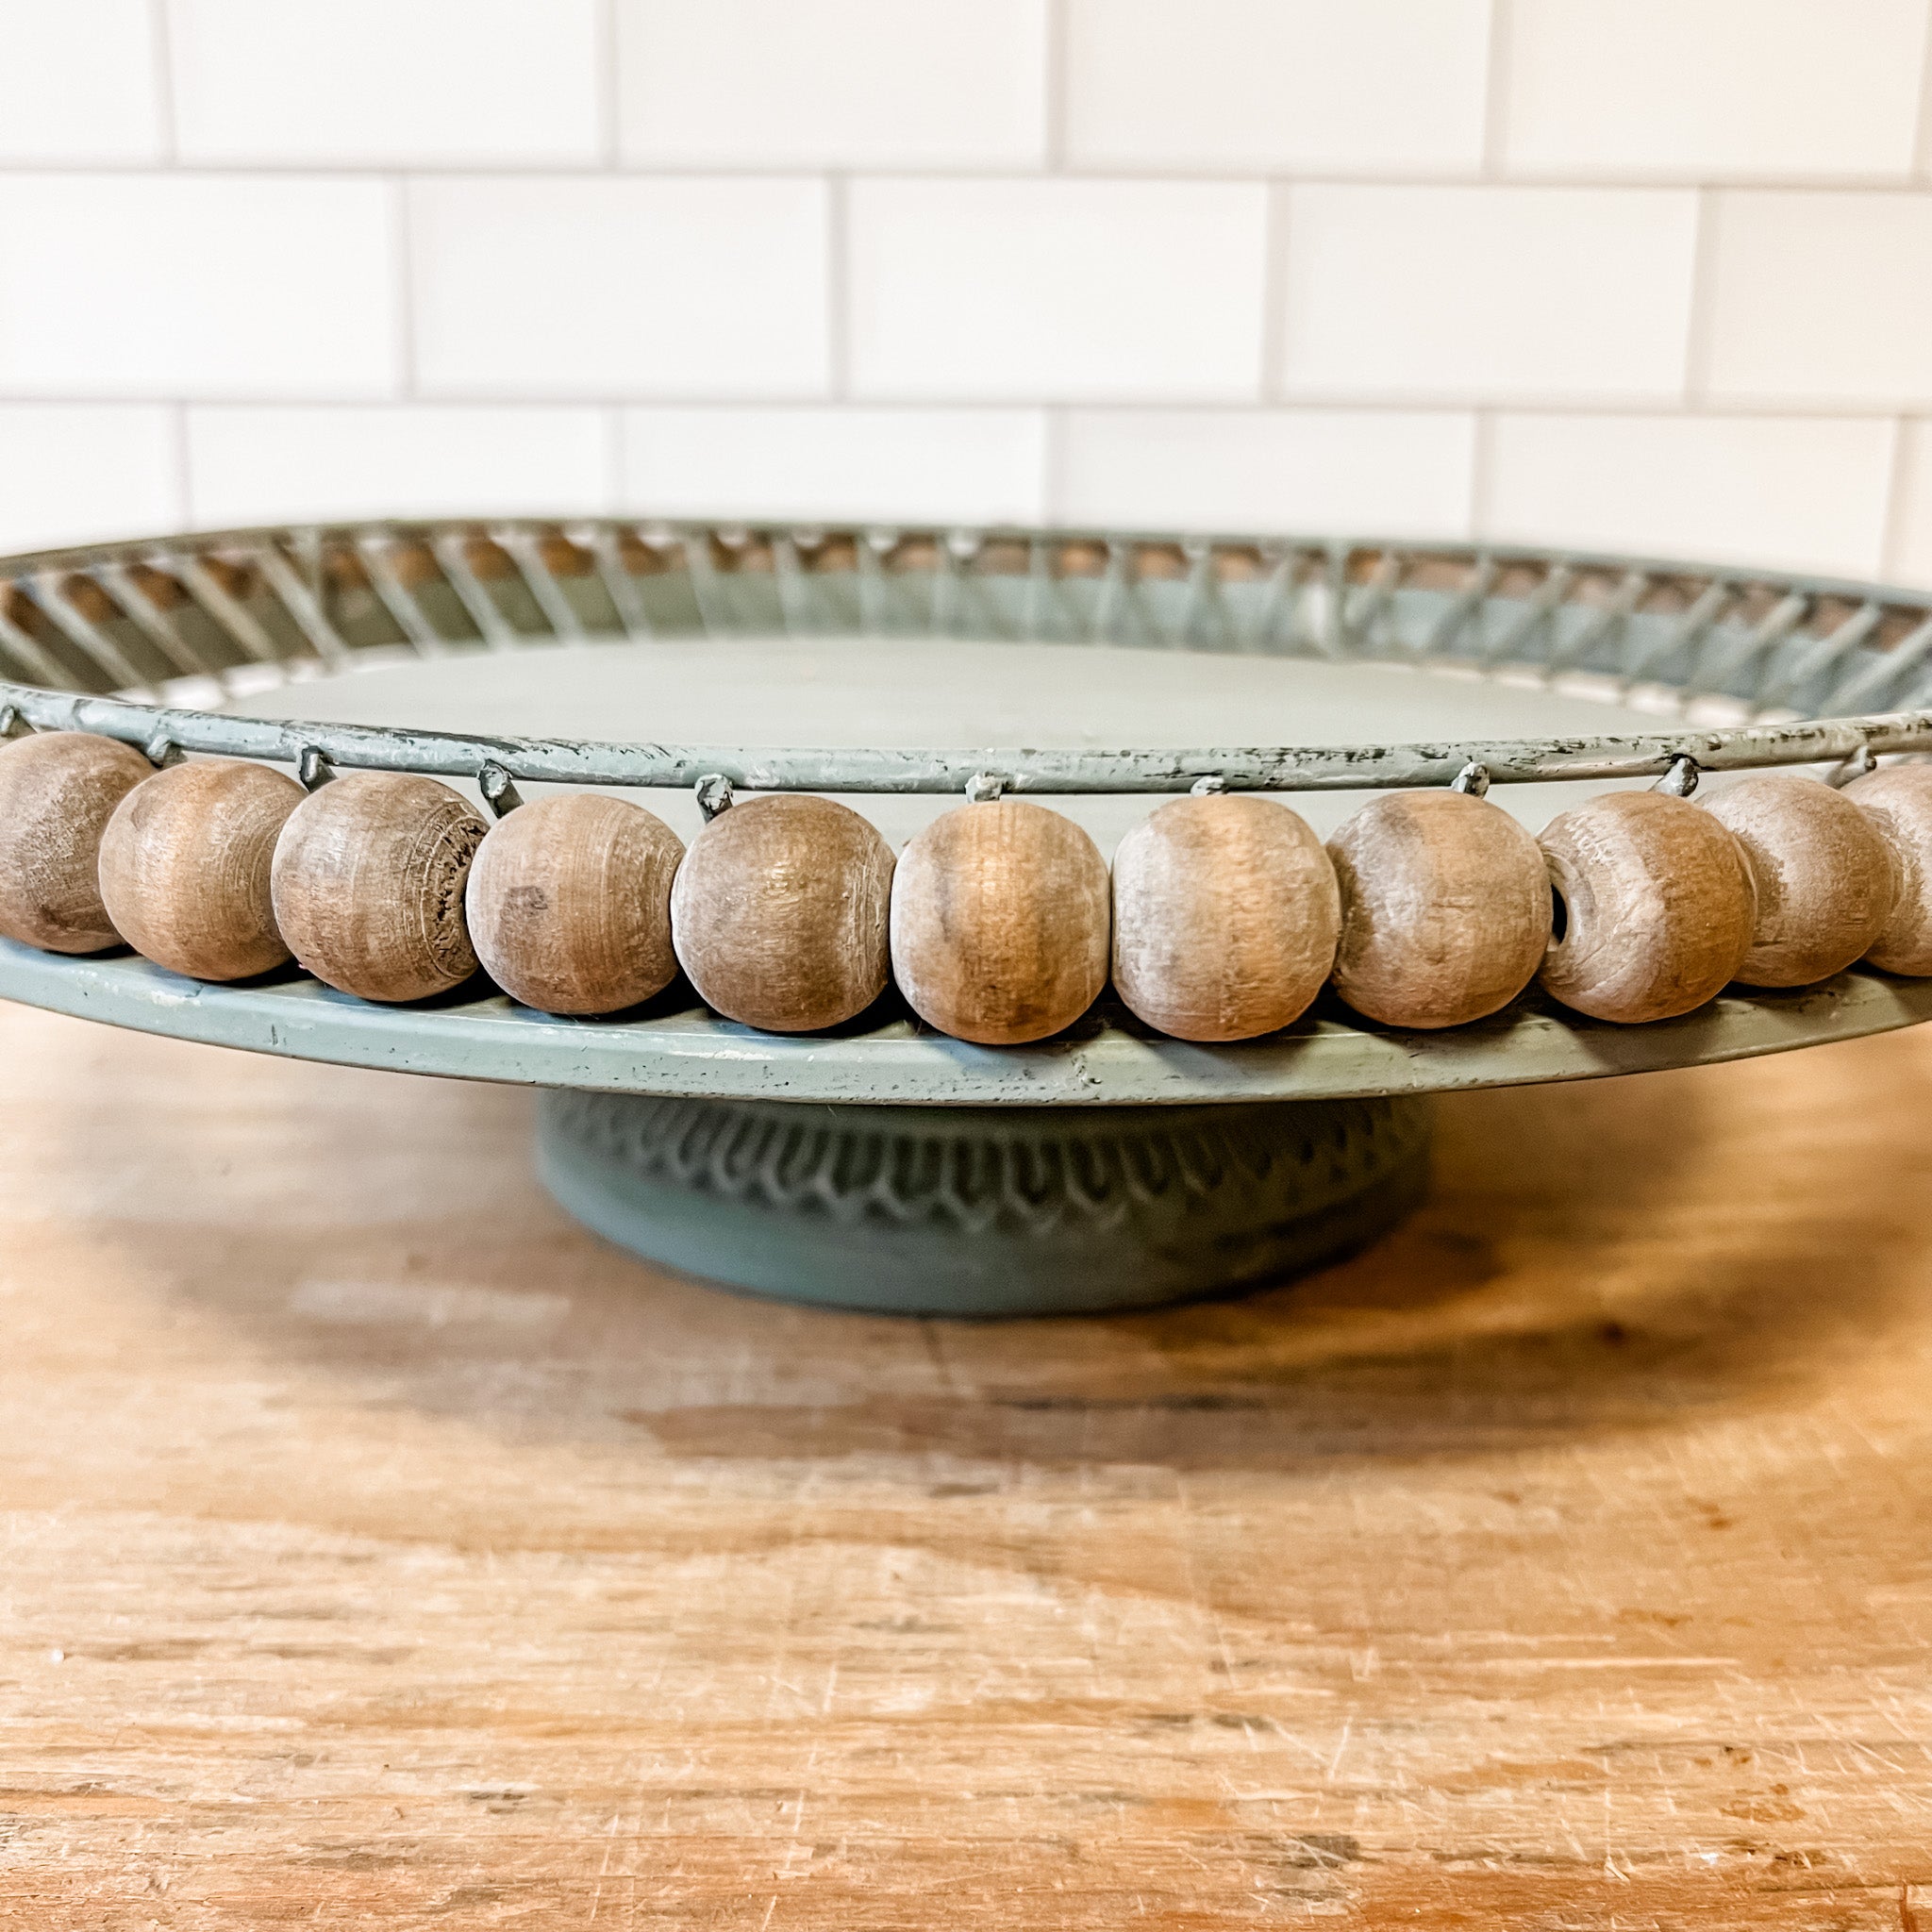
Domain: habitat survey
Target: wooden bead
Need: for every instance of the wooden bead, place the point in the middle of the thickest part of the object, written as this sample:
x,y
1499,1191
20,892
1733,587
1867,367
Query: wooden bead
x,y
368,884
185,866
58,790
1824,878
569,903
1446,909
778,913
1226,915
1000,918
1656,906
1898,801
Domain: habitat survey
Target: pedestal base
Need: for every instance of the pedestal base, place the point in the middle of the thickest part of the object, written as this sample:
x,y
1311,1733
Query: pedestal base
x,y
983,1211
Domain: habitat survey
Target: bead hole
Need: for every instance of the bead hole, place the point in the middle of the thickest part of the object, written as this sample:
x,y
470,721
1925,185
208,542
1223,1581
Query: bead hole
x,y
1559,915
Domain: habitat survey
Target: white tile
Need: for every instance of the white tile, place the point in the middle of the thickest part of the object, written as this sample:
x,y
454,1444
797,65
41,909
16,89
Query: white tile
x,y
1369,471
79,82
1481,294
607,287
1075,289
166,285
463,81
1800,492
894,465
1821,297
1911,558
272,465
75,473
1371,85
837,83
1714,88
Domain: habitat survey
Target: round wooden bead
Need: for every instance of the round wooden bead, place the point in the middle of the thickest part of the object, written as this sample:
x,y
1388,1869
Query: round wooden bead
x,y
58,790
569,903
1898,801
1825,880
999,917
185,866
1657,907
368,884
778,913
1446,909
1226,915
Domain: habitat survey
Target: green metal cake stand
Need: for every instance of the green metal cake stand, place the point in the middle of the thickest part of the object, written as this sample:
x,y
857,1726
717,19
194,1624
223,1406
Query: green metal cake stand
x,y
882,1165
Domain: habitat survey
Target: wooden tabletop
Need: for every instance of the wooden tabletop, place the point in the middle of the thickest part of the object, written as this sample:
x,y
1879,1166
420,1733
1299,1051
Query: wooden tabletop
x,y
381,1549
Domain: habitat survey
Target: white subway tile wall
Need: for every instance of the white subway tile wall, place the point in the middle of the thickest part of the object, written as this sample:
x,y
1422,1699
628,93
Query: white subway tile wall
x,y
1049,290
386,83
833,83
1480,293
70,467
1819,298
1383,86
1627,274
1715,90
82,83
961,466
287,464
588,285
1804,491
176,285
1270,469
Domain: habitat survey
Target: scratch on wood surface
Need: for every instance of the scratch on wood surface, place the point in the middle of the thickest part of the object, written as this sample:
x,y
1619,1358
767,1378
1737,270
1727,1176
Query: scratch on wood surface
x,y
1559,1562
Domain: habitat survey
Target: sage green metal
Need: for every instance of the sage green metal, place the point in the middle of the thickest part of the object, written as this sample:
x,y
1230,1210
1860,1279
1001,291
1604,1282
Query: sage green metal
x,y
1106,1168
111,626
981,1211
679,1048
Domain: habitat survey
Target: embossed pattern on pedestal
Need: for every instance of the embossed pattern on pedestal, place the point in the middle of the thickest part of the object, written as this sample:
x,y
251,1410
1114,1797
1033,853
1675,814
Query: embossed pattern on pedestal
x,y
1023,1171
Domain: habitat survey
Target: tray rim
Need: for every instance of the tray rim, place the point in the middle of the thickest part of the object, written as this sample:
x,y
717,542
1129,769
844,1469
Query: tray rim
x,y
1788,741
691,1054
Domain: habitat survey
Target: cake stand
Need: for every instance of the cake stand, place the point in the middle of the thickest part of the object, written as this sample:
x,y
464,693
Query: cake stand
x,y
882,1165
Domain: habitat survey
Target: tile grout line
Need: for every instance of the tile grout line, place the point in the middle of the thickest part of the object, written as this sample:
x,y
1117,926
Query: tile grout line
x,y
1482,450
616,470
1054,84
182,464
1053,461
1274,266
1891,536
161,51
1922,126
1403,179
609,81
1496,92
1657,408
1700,319
402,250
838,288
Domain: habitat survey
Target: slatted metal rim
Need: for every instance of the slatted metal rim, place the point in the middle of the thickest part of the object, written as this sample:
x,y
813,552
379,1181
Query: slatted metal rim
x,y
147,641
1764,668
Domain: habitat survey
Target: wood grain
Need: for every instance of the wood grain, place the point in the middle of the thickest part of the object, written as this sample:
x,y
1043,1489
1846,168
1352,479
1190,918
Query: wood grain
x,y
1000,921
1823,880
1446,909
382,1550
1657,907
568,902
1898,801
778,912
367,884
1226,915
58,790
184,866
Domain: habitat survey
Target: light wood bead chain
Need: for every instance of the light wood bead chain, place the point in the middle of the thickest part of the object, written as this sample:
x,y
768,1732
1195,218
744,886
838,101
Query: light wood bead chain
x,y
1222,919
